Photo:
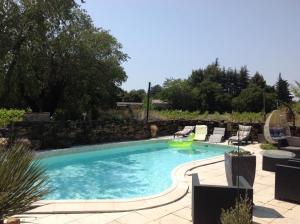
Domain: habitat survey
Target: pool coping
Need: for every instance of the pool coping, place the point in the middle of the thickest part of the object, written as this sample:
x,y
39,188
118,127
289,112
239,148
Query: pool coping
x,y
178,190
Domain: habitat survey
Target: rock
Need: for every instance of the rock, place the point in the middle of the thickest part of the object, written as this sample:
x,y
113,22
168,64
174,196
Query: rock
x,y
24,141
3,142
13,221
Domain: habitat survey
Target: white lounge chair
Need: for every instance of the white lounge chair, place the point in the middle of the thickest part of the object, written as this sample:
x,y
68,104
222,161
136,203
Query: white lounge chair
x,y
217,135
200,132
242,135
185,131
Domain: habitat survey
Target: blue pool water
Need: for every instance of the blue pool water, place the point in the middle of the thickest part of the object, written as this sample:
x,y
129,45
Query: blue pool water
x,y
115,171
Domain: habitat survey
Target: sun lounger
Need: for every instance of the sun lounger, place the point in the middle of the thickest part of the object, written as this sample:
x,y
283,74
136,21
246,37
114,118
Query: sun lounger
x,y
200,132
185,131
243,134
217,135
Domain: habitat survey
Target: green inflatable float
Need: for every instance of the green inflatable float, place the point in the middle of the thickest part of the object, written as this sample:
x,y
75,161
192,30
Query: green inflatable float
x,y
182,143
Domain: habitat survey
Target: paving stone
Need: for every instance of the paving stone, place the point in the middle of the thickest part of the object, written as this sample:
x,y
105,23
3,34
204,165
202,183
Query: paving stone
x,y
173,219
133,218
185,213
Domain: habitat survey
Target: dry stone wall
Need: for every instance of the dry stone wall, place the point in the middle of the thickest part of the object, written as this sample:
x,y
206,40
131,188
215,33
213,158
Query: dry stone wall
x,y
61,134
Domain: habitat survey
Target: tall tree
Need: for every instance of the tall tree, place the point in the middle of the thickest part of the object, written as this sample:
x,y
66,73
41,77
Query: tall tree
x,y
210,97
57,59
258,80
213,72
251,100
135,96
282,90
179,94
243,79
196,77
155,91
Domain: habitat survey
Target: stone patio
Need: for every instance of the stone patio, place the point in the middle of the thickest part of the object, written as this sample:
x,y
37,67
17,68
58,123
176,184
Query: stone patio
x,y
266,210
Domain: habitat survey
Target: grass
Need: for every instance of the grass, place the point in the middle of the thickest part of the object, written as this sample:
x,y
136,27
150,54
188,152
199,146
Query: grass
x,y
267,146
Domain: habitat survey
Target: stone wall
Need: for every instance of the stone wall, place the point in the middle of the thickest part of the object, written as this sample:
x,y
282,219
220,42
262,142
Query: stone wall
x,y
69,133
60,134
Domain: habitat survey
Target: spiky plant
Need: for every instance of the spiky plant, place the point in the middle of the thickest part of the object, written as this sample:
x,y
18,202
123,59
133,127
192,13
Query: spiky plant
x,y
22,180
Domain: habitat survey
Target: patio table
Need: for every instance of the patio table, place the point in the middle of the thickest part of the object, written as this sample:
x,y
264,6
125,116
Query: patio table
x,y
273,157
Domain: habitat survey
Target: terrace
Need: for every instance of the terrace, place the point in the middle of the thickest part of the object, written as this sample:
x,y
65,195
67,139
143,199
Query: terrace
x,y
84,139
266,209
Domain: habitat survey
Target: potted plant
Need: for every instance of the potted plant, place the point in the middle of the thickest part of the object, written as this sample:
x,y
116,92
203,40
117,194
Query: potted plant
x,y
240,163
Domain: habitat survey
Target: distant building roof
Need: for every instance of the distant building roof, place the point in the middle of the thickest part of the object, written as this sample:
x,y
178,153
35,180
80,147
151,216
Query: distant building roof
x,y
157,101
125,104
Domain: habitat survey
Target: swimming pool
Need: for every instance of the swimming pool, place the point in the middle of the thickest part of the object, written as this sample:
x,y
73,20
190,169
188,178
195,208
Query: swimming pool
x,y
119,171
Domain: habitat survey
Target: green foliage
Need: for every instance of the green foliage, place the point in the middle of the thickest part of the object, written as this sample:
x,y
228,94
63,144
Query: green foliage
x,y
296,107
251,99
247,117
258,80
155,91
53,57
196,115
179,94
177,114
134,96
243,78
296,90
282,90
8,116
210,97
267,146
240,152
240,214
214,89
23,180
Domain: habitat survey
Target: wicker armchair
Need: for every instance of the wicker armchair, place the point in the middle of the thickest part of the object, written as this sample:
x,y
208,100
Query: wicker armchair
x,y
293,145
287,181
208,200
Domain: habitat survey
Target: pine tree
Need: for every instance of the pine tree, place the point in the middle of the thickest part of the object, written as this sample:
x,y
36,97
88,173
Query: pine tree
x,y
243,79
282,90
258,80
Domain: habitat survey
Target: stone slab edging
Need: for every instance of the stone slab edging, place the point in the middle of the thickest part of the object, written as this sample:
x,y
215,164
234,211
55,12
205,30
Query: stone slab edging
x,y
179,189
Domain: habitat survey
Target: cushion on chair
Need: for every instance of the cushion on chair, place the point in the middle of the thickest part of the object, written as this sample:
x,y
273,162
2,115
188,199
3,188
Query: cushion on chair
x,y
293,141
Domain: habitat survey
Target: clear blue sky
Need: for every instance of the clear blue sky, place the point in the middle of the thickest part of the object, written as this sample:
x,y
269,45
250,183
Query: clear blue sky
x,y
170,38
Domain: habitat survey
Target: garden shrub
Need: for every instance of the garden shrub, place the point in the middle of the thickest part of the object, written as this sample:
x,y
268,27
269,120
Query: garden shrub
x,y
196,115
239,214
8,116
